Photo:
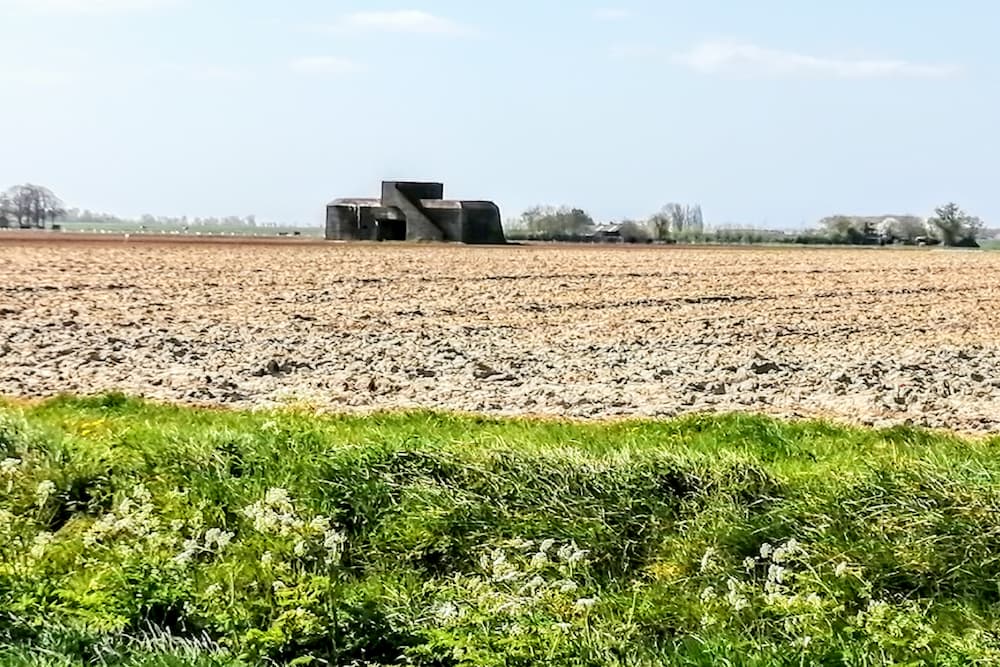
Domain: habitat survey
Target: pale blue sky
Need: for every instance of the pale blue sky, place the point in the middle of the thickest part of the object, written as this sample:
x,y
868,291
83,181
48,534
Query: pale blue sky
x,y
773,112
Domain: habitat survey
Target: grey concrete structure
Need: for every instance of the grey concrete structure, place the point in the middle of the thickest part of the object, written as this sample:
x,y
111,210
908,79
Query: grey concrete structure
x,y
414,211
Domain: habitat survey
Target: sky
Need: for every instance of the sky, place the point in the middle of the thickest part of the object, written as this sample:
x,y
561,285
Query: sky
x,y
772,113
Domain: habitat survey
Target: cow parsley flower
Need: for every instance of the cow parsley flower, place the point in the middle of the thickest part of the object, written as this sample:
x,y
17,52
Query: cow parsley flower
x,y
707,558
9,467
567,586
300,548
45,490
40,543
216,539
585,604
334,542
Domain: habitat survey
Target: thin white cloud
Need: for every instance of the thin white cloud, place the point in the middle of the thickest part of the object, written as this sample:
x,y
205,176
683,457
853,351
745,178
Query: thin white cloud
x,y
634,51
36,76
401,21
206,72
612,14
87,6
721,57
326,65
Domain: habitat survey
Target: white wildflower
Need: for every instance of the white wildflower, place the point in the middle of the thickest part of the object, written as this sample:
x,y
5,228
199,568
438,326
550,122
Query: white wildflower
x,y
783,553
45,490
547,546
300,548
539,560
189,550
562,627
278,586
707,558
806,641
708,594
567,586
40,543
735,599
766,550
334,542
9,467
776,574
571,554
446,612
277,496
177,525
142,494
213,591
532,587
841,570
749,564
266,559
585,604
216,539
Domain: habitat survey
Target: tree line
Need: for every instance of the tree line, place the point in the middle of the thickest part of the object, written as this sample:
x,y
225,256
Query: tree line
x,y
679,223
671,222
31,206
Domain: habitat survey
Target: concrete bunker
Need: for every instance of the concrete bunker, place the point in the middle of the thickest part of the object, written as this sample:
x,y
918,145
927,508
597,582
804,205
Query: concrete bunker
x,y
414,211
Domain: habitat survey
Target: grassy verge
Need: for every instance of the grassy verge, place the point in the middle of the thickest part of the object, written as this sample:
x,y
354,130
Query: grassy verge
x,y
135,534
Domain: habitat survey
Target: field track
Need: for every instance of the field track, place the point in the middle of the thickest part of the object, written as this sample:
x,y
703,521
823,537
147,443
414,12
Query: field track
x,y
875,336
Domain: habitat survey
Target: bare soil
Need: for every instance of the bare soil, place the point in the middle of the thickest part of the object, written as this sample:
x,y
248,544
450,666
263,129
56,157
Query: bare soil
x,y
873,336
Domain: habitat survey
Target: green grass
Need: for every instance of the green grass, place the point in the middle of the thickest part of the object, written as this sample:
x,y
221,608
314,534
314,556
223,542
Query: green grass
x,y
137,534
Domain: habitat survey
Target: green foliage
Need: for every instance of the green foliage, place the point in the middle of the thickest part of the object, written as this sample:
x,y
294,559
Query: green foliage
x,y
134,534
552,222
957,227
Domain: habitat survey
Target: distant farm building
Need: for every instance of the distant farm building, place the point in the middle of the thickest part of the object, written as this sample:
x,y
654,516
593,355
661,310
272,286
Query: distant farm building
x,y
414,211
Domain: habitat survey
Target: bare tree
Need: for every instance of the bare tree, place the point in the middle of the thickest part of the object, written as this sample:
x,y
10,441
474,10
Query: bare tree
x,y
675,219
695,219
31,206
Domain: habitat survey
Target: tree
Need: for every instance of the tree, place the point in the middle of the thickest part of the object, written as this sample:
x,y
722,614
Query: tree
x,y
957,228
695,219
634,232
33,205
674,220
905,228
550,222
6,211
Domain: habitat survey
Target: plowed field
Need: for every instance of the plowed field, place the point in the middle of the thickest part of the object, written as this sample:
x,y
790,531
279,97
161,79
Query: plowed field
x,y
872,336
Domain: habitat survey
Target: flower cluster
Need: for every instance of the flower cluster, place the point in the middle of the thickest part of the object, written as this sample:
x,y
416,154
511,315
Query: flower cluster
x,y
135,516
276,515
524,577
214,541
45,490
